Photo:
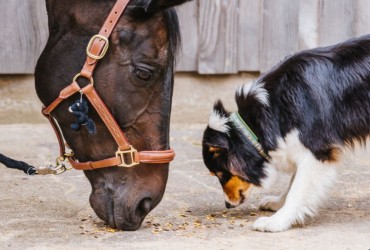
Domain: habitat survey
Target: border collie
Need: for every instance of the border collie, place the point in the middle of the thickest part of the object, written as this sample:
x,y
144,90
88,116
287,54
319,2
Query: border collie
x,y
298,119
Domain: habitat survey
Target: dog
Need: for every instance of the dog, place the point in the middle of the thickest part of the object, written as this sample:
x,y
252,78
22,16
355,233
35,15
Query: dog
x,y
298,118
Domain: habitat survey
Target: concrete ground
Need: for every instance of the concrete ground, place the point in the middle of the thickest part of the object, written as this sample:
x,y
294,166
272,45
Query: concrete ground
x,y
53,212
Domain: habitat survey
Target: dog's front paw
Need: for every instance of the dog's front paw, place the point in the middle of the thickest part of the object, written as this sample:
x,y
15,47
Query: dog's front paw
x,y
271,224
271,203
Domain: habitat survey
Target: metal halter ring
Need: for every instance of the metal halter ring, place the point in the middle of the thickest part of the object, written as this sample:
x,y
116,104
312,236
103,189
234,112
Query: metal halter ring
x,y
79,74
105,48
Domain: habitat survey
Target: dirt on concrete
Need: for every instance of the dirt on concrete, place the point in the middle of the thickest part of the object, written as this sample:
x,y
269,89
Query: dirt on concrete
x,y
53,212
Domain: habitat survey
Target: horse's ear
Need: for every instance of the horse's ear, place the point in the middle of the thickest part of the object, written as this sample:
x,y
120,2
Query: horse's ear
x,y
159,5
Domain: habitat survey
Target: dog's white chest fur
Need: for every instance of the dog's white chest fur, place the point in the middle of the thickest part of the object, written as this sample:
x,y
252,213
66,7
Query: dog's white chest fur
x,y
311,180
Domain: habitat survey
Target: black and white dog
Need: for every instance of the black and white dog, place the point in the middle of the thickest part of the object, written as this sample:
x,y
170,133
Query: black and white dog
x,y
298,118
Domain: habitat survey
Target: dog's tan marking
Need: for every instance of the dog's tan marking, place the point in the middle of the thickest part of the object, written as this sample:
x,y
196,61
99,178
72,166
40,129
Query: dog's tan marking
x,y
234,188
215,151
219,174
335,154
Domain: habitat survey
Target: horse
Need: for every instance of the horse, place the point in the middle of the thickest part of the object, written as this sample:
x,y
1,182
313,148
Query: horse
x,y
135,81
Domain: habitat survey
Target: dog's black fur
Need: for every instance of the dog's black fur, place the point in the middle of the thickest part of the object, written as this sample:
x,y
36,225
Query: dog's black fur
x,y
322,93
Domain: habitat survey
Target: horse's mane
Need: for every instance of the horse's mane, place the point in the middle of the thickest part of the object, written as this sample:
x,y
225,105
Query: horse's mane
x,y
174,34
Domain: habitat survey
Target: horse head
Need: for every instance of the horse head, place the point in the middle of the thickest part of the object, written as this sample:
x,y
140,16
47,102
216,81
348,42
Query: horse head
x,y
135,81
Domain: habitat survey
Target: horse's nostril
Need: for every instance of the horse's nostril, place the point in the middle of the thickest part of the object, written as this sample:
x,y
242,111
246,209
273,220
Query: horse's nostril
x,y
145,206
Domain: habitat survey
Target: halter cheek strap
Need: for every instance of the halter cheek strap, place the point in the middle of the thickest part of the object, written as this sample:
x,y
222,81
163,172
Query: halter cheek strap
x,y
126,155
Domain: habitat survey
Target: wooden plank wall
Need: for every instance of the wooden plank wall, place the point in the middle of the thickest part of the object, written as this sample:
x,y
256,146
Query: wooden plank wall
x,y
266,32
219,36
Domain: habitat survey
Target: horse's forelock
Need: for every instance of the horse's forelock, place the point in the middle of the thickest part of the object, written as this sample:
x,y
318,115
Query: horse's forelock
x,y
143,8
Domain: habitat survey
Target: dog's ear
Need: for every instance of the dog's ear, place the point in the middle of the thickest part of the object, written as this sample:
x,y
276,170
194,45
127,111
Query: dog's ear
x,y
220,109
215,137
215,144
219,119
159,5
215,151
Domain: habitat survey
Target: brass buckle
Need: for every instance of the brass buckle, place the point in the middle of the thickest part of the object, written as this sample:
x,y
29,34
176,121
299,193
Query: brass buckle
x,y
105,48
127,157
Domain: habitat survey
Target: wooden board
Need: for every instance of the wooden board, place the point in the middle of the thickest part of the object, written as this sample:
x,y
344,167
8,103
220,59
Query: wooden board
x,y
249,33
336,21
218,27
308,24
23,35
362,17
279,31
188,18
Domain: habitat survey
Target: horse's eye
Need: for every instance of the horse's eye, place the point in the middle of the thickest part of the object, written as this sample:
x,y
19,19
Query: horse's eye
x,y
143,74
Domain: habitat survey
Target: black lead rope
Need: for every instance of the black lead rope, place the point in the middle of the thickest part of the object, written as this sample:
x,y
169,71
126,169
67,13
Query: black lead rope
x,y
20,165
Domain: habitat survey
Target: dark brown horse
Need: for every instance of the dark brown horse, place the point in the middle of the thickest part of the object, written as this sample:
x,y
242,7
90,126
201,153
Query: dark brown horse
x,y
134,79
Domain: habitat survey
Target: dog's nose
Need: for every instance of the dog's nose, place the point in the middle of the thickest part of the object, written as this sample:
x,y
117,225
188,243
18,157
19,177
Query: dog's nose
x,y
228,205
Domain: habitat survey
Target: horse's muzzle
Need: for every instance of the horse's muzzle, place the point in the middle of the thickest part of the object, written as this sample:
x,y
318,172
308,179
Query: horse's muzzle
x,y
131,220
121,213
123,199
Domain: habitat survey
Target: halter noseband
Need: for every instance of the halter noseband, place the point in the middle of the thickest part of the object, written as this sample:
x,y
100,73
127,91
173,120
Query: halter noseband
x,y
126,155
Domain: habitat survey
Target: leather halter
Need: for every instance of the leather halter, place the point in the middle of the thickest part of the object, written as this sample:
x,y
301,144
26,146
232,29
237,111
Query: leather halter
x,y
126,155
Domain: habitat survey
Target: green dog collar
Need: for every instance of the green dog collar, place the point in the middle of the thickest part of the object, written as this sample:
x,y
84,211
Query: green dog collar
x,y
247,131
